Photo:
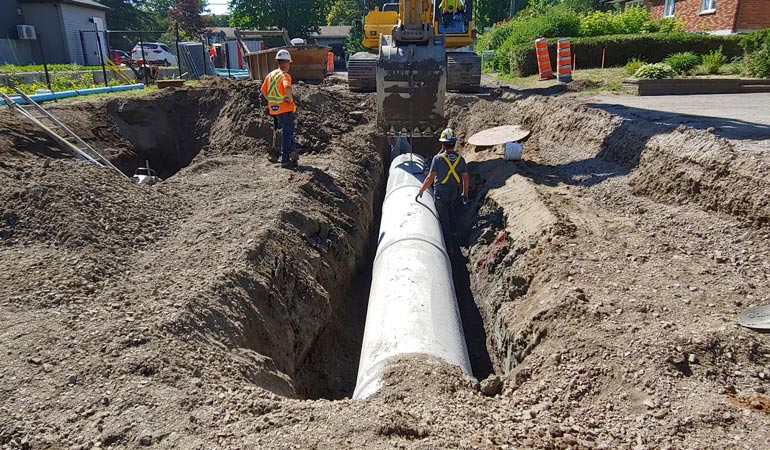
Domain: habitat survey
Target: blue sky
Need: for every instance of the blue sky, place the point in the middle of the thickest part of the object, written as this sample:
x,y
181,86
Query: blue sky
x,y
217,6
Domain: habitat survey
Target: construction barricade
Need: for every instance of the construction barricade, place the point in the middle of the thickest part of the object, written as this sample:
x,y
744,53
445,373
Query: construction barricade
x,y
563,61
543,59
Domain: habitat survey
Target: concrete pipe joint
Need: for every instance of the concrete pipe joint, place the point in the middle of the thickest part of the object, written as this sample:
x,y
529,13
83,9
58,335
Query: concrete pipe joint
x,y
412,301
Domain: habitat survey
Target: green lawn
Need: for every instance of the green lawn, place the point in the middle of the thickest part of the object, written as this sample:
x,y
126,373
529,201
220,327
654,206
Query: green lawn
x,y
605,80
11,68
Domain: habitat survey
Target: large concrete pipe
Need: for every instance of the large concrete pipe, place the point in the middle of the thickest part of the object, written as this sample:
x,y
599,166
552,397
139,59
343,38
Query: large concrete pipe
x,y
412,301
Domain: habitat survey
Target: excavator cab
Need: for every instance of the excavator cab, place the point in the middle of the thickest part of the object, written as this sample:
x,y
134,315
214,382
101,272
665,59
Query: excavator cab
x,y
452,17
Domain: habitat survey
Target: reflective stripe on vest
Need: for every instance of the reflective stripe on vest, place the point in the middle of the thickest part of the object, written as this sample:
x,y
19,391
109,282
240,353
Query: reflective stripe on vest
x,y
451,169
272,90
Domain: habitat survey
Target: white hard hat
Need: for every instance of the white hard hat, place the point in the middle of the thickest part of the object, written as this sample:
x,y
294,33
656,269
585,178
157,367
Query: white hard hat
x,y
283,55
448,136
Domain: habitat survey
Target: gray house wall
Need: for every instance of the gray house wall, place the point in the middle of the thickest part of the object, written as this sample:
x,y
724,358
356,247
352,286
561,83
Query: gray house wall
x,y
12,50
47,22
75,19
9,18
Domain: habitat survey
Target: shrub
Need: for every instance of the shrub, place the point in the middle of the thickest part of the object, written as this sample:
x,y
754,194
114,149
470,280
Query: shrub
x,y
632,20
621,48
683,62
670,25
713,60
757,56
556,21
758,64
495,36
633,65
655,71
598,23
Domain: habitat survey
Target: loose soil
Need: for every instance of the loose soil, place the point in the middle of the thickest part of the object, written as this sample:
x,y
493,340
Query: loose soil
x,y
600,282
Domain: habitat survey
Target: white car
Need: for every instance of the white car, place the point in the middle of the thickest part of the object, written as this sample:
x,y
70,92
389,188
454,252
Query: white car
x,y
154,52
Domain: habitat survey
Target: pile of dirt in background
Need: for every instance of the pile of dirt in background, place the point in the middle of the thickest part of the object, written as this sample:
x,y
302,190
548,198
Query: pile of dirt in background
x,y
610,266
608,293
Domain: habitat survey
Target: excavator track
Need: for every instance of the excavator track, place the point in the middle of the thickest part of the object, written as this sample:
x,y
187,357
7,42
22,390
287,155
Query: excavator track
x,y
463,72
362,72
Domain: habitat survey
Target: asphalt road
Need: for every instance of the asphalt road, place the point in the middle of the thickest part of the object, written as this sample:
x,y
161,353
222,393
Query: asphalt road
x,y
734,116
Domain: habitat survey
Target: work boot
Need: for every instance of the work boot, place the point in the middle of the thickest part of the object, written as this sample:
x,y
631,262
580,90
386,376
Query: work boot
x,y
290,164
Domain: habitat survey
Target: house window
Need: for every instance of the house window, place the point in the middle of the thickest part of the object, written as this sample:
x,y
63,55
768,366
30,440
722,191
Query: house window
x,y
668,8
708,5
633,3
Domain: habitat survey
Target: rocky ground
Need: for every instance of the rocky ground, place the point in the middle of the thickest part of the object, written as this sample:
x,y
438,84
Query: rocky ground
x,y
601,281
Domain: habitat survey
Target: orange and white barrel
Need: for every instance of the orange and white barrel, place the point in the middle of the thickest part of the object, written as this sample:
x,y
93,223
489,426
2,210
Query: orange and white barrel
x,y
330,63
543,59
563,61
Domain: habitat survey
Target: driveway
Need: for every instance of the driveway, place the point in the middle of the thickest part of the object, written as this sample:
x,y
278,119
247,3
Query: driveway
x,y
733,116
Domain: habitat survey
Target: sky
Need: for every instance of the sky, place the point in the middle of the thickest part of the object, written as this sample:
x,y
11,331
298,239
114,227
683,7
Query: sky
x,y
218,6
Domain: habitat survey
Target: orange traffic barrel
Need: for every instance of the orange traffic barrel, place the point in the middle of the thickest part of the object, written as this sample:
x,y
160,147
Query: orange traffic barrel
x,y
543,59
563,61
330,62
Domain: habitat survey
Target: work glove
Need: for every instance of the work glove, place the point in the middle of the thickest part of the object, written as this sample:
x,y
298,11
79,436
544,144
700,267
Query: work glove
x,y
465,200
418,197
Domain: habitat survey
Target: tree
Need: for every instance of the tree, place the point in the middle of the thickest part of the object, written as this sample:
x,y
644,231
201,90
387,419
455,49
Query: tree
x,y
299,17
488,12
345,12
216,20
126,15
187,13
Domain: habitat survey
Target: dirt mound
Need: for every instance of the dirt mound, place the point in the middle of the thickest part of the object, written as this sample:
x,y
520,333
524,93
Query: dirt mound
x,y
600,305
224,278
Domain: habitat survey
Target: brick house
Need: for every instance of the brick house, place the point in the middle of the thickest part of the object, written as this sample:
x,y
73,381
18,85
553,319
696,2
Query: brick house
x,y
713,16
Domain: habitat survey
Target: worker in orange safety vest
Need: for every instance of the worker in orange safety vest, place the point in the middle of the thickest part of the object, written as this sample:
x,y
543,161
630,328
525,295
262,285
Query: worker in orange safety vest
x,y
280,103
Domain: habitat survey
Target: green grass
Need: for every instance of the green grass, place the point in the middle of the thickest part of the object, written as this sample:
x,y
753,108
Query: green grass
x,y
609,80
11,68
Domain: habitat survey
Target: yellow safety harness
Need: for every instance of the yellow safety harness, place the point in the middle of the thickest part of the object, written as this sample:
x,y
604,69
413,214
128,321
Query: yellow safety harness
x,y
452,170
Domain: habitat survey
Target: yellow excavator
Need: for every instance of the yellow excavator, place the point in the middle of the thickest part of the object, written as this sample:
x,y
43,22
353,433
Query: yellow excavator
x,y
420,58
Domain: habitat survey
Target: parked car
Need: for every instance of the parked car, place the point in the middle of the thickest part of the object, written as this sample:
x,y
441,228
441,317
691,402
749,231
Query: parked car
x,y
154,52
119,57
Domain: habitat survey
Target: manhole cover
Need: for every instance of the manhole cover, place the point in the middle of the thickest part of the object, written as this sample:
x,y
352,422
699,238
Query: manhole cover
x,y
498,135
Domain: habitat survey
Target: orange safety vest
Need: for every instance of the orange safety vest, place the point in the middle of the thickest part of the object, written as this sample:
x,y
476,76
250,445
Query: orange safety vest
x,y
274,88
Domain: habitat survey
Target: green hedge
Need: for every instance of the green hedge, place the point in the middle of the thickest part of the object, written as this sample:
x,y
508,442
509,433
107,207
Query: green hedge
x,y
651,48
757,60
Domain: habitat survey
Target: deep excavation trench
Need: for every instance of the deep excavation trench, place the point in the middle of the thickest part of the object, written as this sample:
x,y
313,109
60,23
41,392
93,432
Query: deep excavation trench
x,y
171,132
502,236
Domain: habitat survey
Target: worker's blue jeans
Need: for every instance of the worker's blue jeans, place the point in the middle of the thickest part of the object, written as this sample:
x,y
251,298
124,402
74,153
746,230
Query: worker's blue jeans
x,y
445,206
286,121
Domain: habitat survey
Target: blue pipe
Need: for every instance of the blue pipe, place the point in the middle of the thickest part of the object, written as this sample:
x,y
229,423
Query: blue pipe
x,y
38,98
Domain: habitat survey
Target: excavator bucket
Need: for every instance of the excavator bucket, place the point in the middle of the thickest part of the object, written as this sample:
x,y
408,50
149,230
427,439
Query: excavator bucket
x,y
411,86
